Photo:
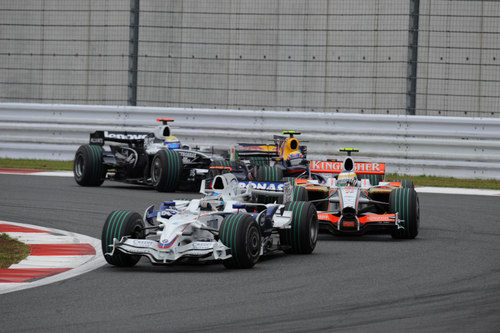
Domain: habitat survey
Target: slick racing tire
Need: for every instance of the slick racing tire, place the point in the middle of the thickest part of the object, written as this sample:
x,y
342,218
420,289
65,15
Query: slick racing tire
x,y
299,193
221,163
118,224
88,168
166,169
269,174
405,202
290,180
374,179
259,161
405,183
241,234
303,235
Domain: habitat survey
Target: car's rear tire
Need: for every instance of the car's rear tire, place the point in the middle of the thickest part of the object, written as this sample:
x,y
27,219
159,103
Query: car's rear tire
x,y
166,169
299,193
118,224
88,167
374,179
269,174
240,232
405,202
259,161
221,163
303,235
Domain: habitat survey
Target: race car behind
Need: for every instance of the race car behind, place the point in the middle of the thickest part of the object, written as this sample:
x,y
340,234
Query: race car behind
x,y
154,158
348,205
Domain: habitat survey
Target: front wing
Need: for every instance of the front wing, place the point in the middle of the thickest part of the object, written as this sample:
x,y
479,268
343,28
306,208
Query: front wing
x,y
159,254
382,223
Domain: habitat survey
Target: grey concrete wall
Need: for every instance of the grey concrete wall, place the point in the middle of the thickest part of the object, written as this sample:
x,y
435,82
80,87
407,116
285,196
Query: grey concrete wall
x,y
348,56
329,55
459,58
64,51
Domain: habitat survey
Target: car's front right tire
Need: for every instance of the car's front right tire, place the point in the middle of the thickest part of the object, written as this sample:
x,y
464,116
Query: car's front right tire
x,y
121,223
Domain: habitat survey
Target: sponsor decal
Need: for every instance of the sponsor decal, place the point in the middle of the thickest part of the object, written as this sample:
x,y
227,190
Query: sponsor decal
x,y
124,136
348,224
263,185
202,245
381,218
328,217
143,243
336,167
164,244
186,154
97,140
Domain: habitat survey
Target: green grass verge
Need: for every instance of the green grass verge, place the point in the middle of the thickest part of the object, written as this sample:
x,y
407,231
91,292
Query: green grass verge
x,y
35,164
12,251
448,182
418,180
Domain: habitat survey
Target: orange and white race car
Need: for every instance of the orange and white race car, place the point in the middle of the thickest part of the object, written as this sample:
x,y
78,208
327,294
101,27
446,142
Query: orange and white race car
x,y
348,203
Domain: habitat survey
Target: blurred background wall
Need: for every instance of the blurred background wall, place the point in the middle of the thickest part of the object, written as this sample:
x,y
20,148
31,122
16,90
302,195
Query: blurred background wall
x,y
350,56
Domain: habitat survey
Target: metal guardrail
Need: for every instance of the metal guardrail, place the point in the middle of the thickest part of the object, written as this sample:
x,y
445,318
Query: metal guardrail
x,y
441,146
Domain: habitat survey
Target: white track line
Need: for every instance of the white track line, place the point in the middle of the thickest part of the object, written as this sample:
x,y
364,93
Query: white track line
x,y
80,265
452,190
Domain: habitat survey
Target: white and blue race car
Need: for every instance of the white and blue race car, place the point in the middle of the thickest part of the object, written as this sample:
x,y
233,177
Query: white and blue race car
x,y
223,225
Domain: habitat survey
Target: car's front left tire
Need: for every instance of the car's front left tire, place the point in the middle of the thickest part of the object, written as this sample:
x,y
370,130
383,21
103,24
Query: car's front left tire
x,y
240,232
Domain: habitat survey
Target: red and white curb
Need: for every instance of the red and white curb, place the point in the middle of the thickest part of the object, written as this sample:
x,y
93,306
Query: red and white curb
x,y
32,172
55,255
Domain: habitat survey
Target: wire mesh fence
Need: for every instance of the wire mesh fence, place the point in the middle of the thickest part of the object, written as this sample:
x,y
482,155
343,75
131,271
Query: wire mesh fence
x,y
322,55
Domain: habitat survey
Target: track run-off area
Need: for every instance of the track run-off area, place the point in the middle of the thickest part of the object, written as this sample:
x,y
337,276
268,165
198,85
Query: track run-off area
x,y
447,279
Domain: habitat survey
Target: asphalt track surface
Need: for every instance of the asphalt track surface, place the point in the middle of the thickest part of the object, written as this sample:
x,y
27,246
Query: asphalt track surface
x,y
448,279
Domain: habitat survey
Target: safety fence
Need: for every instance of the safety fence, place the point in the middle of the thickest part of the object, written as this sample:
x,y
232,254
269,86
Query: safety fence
x,y
443,146
423,57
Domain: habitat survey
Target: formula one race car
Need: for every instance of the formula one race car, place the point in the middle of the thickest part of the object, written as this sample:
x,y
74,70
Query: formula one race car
x,y
347,205
285,158
223,225
150,158
265,162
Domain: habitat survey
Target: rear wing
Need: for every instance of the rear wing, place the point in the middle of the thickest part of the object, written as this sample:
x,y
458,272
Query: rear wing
x,y
99,137
361,168
257,149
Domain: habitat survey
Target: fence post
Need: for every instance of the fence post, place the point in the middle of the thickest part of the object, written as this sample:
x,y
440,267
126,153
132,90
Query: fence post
x,y
411,69
133,52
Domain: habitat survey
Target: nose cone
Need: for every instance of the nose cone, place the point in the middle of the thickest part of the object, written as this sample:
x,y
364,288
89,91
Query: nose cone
x,y
349,214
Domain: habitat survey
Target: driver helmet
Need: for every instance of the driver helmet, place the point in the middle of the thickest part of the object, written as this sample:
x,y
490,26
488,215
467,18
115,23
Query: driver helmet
x,y
172,142
295,155
347,178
